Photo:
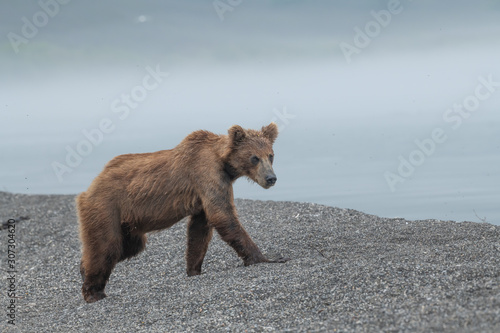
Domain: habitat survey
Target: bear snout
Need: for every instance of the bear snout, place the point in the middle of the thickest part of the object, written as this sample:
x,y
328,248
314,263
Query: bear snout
x,y
271,180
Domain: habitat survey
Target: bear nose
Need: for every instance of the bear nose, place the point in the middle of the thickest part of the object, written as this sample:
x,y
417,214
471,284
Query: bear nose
x,y
270,180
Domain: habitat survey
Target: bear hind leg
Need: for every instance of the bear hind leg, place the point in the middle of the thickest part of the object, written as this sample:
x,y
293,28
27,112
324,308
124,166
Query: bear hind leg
x,y
95,274
132,244
101,250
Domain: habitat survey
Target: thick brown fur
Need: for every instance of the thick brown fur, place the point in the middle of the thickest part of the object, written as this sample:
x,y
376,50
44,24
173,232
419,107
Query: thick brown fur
x,y
139,193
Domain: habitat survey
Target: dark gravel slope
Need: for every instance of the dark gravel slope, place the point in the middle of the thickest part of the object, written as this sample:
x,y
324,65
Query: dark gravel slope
x,y
349,272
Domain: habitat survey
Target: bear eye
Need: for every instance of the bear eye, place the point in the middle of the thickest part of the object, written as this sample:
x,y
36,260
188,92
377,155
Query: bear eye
x,y
271,158
255,160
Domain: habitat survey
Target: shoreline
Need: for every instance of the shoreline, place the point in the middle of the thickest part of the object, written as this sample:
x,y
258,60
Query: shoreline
x,y
349,271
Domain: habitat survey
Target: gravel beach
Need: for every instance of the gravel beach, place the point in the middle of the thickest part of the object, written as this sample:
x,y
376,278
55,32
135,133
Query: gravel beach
x,y
349,272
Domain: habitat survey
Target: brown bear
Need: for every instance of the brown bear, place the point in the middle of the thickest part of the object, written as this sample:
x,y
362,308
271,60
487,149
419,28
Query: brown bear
x,y
139,193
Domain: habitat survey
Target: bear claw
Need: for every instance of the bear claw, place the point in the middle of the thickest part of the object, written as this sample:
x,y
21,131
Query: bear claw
x,y
97,296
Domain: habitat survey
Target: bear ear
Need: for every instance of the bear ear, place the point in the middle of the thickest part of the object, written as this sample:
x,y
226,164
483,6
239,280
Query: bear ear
x,y
236,134
270,131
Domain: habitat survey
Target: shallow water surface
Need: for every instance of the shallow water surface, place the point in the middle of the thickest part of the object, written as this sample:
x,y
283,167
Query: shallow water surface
x,y
323,154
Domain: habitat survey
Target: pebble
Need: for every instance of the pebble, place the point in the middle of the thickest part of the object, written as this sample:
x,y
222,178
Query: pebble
x,y
349,272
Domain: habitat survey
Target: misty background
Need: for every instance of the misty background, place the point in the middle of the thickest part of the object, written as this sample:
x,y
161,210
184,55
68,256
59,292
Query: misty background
x,y
347,121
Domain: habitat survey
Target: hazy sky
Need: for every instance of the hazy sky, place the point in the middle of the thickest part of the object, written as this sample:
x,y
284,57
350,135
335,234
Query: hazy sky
x,y
121,32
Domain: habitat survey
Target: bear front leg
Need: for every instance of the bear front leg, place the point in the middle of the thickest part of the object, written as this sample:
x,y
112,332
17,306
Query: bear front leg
x,y
232,232
199,236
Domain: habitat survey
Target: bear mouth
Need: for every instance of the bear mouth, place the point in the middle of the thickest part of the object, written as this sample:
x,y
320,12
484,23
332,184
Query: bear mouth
x,y
267,185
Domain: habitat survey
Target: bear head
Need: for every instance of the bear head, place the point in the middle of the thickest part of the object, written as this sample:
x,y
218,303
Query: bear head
x,y
251,154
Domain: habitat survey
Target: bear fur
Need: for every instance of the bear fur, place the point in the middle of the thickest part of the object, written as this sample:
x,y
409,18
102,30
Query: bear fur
x,y
139,193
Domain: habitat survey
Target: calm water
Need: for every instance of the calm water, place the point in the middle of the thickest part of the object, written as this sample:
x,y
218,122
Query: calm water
x,y
336,144
408,128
